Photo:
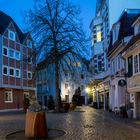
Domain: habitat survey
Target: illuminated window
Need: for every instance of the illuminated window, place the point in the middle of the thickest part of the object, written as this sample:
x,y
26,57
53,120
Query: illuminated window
x,y
99,36
78,64
8,97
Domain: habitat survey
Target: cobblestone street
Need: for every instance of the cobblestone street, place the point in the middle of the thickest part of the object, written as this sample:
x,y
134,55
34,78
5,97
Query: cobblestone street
x,y
88,124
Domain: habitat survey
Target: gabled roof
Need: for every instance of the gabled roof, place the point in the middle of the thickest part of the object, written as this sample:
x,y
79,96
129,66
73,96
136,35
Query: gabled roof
x,y
126,20
5,20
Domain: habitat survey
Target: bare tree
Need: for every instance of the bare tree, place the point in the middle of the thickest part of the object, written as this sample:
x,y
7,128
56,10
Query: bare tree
x,y
57,29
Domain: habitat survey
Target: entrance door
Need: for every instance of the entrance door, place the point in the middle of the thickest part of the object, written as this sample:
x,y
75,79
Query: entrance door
x,y
67,98
45,100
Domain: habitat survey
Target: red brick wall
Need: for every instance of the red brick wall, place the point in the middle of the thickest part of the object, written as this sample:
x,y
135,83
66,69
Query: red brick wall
x,y
5,60
17,100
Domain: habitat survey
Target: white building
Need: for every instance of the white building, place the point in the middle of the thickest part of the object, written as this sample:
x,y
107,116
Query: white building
x,y
131,53
107,13
121,33
71,80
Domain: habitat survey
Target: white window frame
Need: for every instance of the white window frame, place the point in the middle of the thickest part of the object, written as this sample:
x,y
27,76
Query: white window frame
x,y
11,32
30,62
9,93
3,70
66,85
16,73
13,53
31,44
28,73
3,51
13,71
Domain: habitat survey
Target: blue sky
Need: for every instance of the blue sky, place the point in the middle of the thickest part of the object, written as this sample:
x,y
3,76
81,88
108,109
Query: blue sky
x,y
14,8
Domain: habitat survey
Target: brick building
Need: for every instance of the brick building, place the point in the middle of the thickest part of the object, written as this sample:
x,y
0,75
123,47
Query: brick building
x,y
16,67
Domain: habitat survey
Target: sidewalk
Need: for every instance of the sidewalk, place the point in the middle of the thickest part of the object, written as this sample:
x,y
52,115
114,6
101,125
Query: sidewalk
x,y
85,123
126,121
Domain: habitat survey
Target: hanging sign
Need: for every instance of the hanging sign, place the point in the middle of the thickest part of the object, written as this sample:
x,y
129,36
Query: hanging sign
x,y
122,82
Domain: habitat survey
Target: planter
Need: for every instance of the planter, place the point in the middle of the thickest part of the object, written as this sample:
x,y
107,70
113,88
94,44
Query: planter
x,y
35,125
72,107
65,106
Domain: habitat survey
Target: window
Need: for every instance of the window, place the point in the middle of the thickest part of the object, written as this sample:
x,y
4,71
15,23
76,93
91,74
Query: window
x,y
17,71
66,74
29,75
11,71
11,35
138,28
82,87
99,36
72,86
136,64
5,70
119,62
8,96
29,60
5,51
17,55
66,86
139,62
29,44
98,33
99,65
11,53
82,76
78,64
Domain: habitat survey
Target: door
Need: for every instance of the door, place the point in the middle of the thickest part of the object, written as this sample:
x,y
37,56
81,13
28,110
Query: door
x,y
45,100
67,98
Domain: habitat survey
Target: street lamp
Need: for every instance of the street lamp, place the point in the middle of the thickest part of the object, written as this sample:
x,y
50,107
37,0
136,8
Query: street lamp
x,y
97,94
87,89
68,92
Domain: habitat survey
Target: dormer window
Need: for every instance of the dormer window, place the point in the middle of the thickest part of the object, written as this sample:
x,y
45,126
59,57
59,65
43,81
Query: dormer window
x,y
114,36
139,28
29,44
116,32
11,35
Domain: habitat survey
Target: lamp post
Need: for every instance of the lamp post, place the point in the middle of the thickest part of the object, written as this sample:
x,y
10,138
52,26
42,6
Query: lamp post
x,y
68,92
87,89
97,94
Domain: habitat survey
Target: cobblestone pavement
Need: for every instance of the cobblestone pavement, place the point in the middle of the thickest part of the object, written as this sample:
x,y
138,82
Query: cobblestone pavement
x,y
89,124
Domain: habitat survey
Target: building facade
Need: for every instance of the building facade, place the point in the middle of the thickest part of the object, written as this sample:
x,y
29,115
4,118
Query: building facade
x,y
107,13
45,83
131,53
70,80
16,66
73,80
121,33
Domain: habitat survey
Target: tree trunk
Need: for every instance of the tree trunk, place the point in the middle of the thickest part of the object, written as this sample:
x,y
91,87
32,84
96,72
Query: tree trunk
x,y
57,85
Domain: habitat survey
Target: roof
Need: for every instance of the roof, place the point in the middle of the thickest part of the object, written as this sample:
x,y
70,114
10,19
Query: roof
x,y
132,41
125,30
5,21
